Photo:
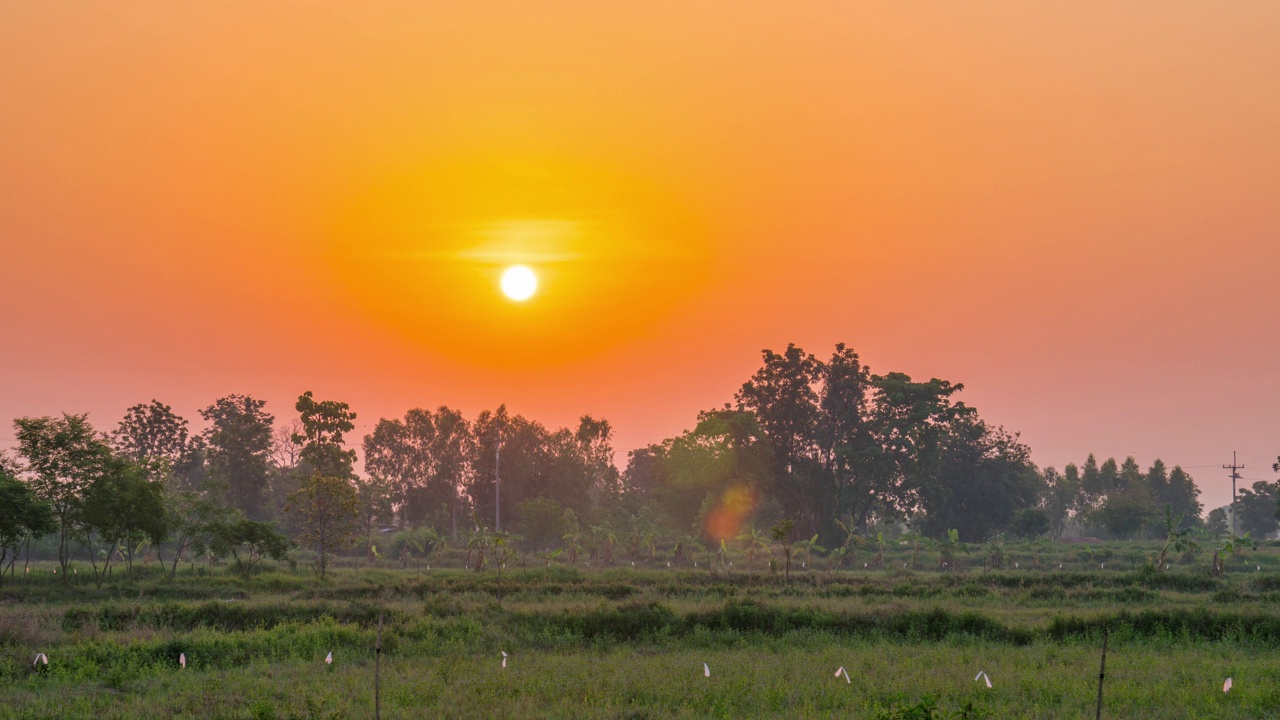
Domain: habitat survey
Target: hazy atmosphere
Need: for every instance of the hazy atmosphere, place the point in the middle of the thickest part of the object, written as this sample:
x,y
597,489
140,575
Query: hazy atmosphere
x,y
1072,211
756,337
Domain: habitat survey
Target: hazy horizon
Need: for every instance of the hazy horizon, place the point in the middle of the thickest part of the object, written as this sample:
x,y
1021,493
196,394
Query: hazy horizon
x,y
1070,210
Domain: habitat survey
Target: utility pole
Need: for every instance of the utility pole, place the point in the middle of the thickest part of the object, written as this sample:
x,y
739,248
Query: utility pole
x,y
497,485
1235,475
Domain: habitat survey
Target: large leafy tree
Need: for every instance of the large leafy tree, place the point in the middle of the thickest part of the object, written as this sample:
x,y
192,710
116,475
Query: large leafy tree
x,y
910,421
724,465
784,397
63,456
1256,508
238,443
985,476
325,424
23,516
121,509
156,438
426,460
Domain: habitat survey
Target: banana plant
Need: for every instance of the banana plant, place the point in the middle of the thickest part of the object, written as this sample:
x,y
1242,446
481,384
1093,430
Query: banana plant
x,y
754,543
806,548
1180,541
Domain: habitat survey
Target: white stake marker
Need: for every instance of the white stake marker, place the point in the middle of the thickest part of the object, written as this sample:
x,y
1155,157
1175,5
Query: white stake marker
x,y
41,658
982,676
706,670
1226,686
182,660
844,672
504,658
328,659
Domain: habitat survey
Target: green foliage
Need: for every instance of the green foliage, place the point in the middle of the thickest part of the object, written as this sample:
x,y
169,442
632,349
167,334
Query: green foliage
x,y
324,425
247,542
238,442
541,522
1029,523
24,517
327,510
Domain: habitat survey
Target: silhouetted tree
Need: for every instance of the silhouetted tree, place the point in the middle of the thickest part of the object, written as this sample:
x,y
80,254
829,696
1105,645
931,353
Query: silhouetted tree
x,y
238,450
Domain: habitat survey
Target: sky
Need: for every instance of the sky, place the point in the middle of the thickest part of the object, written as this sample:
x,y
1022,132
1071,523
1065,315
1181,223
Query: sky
x,y
1071,208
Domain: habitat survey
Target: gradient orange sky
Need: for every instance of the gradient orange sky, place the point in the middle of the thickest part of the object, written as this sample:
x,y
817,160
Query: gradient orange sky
x,y
1072,208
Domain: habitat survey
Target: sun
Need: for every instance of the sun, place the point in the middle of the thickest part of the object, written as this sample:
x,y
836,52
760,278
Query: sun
x,y
519,283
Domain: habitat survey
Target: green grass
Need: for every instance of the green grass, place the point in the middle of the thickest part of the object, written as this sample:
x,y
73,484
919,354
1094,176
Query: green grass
x,y
631,643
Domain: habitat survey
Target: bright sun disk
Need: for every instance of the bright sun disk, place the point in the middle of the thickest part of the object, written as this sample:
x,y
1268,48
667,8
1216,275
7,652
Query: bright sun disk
x,y
519,282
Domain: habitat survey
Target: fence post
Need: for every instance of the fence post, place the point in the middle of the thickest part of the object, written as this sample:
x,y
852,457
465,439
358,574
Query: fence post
x,y
1102,671
377,673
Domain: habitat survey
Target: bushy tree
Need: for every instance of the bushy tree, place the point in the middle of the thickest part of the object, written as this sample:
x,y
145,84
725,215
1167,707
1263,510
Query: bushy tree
x,y
63,456
238,449
426,461
121,509
984,476
157,439
327,510
325,424
246,542
1256,510
24,517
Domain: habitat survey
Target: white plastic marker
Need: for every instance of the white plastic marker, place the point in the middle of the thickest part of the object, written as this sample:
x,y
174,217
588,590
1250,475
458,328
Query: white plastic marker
x,y
844,672
504,658
982,676
706,670
328,659
182,659
1226,685
41,658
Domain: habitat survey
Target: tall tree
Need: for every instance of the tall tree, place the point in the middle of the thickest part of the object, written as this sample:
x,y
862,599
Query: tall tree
x,y
426,460
324,426
984,478
64,457
910,421
1257,509
120,510
153,436
848,448
239,450
783,395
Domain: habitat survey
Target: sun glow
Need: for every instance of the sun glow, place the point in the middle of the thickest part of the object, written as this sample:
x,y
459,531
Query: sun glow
x,y
519,283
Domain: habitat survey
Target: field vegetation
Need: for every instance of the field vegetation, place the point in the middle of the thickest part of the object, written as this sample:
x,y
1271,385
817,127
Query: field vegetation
x,y
630,642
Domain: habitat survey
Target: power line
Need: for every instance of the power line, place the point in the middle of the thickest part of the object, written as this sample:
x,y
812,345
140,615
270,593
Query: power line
x,y
1235,475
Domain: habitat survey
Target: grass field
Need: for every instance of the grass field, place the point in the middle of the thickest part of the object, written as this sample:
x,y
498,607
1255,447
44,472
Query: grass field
x,y
631,642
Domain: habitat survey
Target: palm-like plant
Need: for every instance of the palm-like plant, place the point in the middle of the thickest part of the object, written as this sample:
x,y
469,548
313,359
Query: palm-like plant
x,y
754,542
780,532
1180,541
880,544
650,542
807,548
573,544
995,551
947,548
916,542
479,542
1229,548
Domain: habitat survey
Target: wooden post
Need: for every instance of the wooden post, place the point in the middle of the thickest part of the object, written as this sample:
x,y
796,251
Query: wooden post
x,y
377,673
1102,672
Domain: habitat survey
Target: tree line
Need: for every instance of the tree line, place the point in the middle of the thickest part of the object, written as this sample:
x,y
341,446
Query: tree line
x,y
822,447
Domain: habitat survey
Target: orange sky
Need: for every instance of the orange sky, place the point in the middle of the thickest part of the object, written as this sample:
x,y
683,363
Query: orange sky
x,y
1074,209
